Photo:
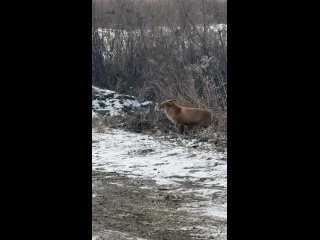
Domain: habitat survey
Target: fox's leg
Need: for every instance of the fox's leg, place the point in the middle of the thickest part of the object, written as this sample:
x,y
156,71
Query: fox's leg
x,y
182,129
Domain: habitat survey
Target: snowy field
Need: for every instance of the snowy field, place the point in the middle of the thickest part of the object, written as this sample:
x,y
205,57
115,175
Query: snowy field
x,y
166,162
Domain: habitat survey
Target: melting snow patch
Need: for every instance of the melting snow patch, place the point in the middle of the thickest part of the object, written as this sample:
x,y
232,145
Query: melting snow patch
x,y
107,102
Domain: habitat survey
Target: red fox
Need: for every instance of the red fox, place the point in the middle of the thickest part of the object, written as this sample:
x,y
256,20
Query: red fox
x,y
184,116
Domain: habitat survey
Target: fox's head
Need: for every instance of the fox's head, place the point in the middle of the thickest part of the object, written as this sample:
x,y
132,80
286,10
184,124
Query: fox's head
x,y
167,103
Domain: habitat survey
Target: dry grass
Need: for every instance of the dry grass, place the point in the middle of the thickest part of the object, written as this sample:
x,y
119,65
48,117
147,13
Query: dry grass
x,y
97,123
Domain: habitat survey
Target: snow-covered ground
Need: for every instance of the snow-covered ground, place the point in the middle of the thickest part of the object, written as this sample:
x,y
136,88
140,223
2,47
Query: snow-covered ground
x,y
167,162
111,103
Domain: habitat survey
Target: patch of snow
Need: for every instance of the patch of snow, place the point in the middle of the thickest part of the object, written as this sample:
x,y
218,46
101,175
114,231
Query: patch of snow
x,y
94,114
100,90
147,103
113,104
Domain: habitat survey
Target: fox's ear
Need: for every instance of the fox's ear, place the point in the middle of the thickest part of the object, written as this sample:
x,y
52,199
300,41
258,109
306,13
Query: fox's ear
x,y
173,100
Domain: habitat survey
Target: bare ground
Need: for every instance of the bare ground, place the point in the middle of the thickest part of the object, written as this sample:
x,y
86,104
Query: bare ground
x,y
128,208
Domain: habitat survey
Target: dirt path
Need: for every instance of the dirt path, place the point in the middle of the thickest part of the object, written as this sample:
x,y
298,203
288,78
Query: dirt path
x,y
124,208
146,187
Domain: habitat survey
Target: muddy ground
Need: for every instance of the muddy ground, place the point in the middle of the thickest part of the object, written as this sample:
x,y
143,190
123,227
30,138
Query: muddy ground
x,y
128,208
